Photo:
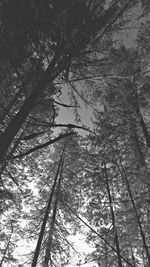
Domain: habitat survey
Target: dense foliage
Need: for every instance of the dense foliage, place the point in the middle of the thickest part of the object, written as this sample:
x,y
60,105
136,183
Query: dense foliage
x,y
59,179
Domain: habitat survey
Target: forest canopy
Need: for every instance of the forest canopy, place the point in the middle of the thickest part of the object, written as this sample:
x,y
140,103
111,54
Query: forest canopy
x,y
59,178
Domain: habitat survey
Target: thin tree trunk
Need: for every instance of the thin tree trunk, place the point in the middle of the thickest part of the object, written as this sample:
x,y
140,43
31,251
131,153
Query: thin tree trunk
x,y
41,234
132,254
145,130
141,120
136,213
51,230
49,75
100,236
113,218
106,255
139,150
134,137
7,247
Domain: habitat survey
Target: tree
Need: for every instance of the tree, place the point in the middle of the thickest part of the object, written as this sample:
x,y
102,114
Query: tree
x,y
120,141
104,179
40,176
47,38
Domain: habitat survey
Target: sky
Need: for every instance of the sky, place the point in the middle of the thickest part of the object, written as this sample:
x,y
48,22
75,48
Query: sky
x,y
66,115
82,248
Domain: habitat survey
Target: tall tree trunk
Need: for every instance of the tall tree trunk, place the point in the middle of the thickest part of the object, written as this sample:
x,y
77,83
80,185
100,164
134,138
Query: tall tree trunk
x,y
140,117
4,164
15,125
136,213
113,218
41,234
106,255
7,247
139,150
135,139
10,105
100,236
132,254
145,130
51,229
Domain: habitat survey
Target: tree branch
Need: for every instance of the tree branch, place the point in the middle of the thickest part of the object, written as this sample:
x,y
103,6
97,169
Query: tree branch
x,y
64,105
61,136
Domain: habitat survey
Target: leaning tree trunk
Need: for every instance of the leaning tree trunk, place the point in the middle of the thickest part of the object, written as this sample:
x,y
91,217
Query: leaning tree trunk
x,y
113,218
15,125
145,130
140,117
51,229
41,234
